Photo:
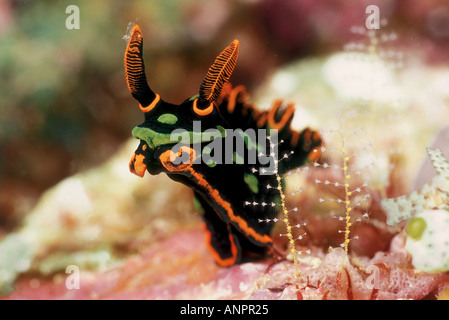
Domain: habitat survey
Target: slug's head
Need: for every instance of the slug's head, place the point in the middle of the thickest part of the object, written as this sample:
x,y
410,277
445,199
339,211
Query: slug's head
x,y
162,119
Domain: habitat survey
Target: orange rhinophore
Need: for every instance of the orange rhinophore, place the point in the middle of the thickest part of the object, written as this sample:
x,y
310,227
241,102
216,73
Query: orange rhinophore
x,y
135,71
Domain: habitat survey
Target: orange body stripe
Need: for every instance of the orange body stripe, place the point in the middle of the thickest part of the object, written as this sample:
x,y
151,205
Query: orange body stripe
x,y
315,153
285,117
151,106
166,159
225,205
202,112
222,262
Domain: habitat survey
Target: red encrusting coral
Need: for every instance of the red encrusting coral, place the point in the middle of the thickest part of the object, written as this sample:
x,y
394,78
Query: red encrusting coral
x,y
179,267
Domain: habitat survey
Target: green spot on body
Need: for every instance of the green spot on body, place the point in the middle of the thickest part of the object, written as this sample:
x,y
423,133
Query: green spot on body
x,y
207,150
415,228
277,200
252,182
155,139
211,163
194,97
222,131
168,118
152,138
197,205
249,142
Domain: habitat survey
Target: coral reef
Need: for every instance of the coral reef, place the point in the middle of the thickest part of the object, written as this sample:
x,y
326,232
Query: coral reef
x,y
368,220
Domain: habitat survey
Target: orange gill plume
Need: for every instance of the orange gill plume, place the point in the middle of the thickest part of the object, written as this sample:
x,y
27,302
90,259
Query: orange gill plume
x,y
218,74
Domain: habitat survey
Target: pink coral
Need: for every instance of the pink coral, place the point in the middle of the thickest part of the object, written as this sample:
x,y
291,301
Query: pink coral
x,y
179,267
